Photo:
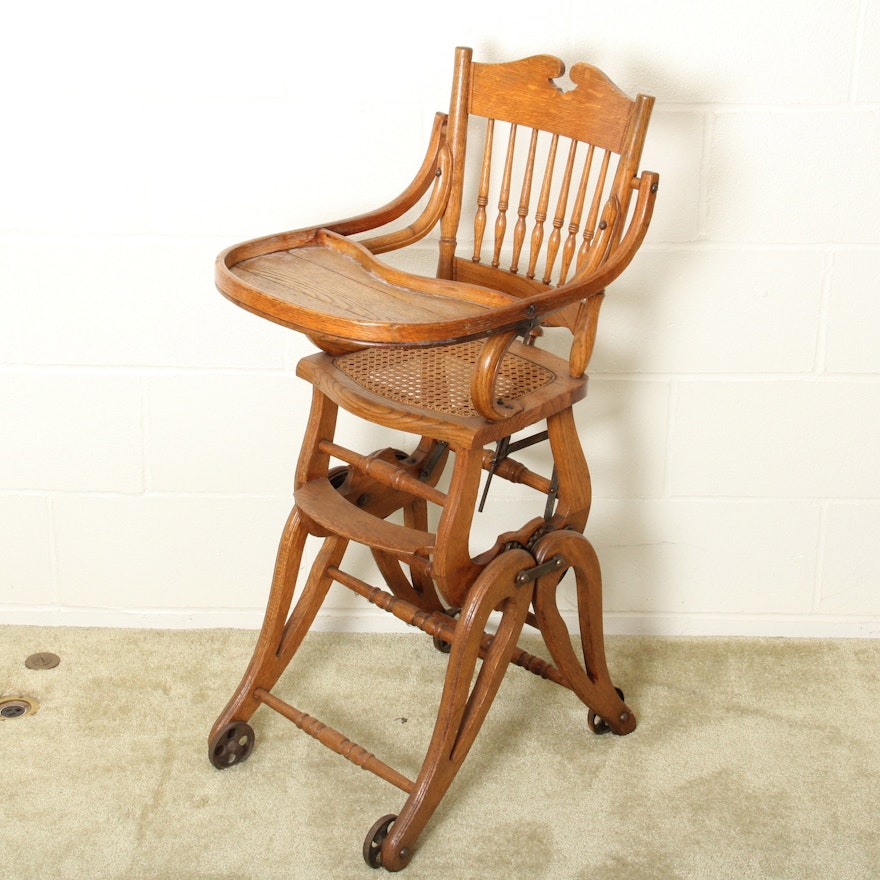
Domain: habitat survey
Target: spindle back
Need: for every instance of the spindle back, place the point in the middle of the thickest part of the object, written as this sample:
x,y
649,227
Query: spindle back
x,y
549,197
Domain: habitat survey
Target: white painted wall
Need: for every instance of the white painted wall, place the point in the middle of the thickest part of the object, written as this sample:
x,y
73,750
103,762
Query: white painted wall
x,y
148,428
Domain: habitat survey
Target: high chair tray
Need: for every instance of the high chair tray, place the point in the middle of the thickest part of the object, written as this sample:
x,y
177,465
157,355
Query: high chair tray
x,y
323,284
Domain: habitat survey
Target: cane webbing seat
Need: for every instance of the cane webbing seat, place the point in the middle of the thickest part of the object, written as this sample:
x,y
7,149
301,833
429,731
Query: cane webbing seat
x,y
551,207
439,378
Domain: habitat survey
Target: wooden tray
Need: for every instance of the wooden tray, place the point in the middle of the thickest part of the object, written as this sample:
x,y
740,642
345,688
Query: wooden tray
x,y
327,286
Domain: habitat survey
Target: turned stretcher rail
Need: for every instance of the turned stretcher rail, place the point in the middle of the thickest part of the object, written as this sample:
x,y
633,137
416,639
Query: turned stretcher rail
x,y
384,472
514,472
335,741
440,626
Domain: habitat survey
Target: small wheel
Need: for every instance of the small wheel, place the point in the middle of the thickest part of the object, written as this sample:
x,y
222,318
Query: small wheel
x,y
374,840
338,475
442,645
232,745
597,723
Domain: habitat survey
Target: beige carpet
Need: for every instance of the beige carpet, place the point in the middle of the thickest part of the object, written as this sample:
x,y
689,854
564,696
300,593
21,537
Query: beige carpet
x,y
752,759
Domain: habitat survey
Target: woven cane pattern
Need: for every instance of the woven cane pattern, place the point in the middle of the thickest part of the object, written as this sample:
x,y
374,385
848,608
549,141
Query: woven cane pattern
x,y
438,379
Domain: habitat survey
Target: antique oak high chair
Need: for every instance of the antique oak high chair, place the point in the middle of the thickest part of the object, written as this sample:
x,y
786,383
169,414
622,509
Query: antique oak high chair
x,y
441,359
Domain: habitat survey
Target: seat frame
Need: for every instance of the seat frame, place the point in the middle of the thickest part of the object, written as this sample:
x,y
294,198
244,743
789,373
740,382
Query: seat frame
x,y
324,283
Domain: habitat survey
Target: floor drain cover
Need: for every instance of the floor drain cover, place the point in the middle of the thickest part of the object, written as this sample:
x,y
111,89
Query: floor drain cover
x,y
16,706
44,660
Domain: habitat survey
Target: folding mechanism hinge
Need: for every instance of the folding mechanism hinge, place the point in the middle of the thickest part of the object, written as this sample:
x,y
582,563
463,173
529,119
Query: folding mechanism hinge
x,y
527,575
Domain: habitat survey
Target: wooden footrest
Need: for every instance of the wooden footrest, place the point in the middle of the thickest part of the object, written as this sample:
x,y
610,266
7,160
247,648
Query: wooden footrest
x,y
330,511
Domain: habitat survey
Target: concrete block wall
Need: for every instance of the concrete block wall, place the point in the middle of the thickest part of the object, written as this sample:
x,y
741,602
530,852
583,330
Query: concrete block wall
x,y
148,429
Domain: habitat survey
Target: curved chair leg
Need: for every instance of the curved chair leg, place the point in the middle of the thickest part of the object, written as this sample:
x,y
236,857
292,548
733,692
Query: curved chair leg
x,y
572,473
462,708
280,636
415,516
590,682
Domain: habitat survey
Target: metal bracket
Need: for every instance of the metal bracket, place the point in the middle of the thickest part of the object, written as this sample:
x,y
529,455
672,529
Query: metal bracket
x,y
502,450
552,495
430,462
527,575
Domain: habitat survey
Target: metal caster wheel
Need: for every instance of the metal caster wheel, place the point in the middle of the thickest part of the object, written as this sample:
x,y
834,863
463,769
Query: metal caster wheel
x,y
596,722
232,745
374,840
338,475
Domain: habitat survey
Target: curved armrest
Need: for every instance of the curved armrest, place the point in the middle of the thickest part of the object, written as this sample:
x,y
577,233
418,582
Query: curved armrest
x,y
605,262
430,172
434,170
586,323
615,257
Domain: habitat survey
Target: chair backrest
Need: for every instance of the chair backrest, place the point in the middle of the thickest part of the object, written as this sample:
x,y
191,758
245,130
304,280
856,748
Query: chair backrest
x,y
554,179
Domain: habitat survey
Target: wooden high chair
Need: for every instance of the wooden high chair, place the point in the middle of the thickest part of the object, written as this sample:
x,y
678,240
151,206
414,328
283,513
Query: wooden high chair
x,y
452,360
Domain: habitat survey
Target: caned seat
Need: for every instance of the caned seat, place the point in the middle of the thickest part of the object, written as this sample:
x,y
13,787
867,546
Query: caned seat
x,y
533,195
439,378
